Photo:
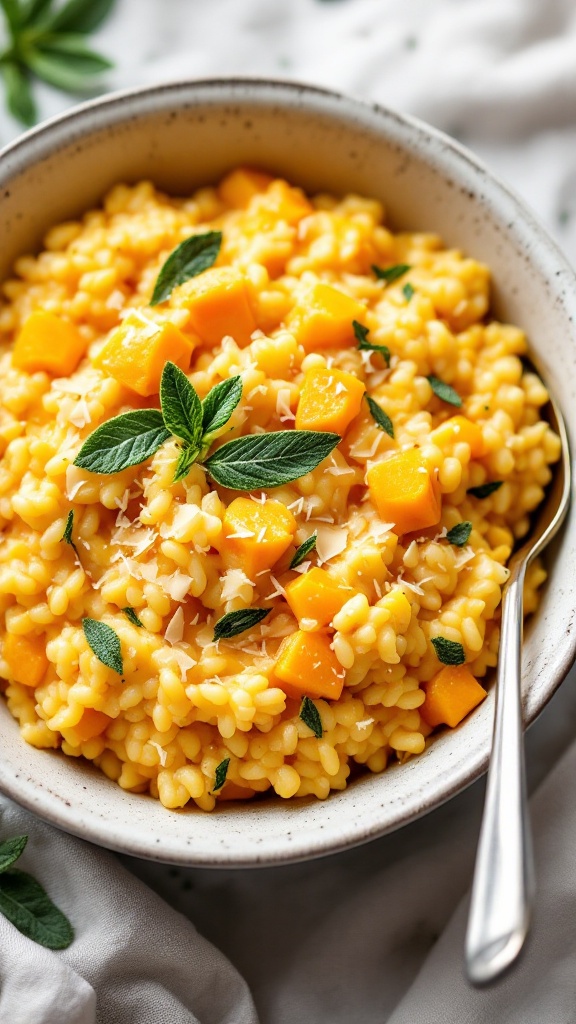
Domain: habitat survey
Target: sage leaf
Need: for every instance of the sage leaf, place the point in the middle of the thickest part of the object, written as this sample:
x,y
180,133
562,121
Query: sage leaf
x,y
408,291
269,460
361,334
301,553
10,850
132,617
460,534
484,490
67,535
448,651
311,717
105,643
181,407
80,16
29,908
19,98
238,622
189,259
186,460
219,405
220,775
390,274
381,418
444,391
125,440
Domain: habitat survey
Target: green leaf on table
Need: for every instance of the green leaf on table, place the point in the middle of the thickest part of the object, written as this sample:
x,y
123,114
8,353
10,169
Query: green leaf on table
x,y
301,553
444,391
238,622
181,407
448,651
381,418
220,775
10,850
105,644
29,908
190,258
269,460
79,16
219,405
19,97
132,617
460,534
361,334
485,490
311,717
65,62
125,440
33,12
391,274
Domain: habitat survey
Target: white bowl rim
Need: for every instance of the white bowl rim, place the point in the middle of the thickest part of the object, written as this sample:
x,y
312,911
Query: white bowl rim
x,y
96,114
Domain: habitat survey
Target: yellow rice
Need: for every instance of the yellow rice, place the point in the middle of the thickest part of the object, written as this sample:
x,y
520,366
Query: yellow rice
x,y
188,704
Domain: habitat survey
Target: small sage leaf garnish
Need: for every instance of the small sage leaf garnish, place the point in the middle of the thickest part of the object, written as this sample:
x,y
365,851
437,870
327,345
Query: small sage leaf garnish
x,y
484,490
181,407
10,850
460,534
390,274
186,460
29,908
238,622
301,553
125,440
381,418
133,618
361,334
269,460
444,391
220,774
219,405
448,652
105,643
408,291
190,258
311,717
67,535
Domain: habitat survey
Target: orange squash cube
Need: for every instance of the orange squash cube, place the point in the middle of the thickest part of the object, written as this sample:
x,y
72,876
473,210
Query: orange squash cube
x,y
255,535
329,400
315,595
26,657
404,492
284,202
450,696
219,304
93,723
241,185
322,318
47,342
231,791
306,665
137,351
459,428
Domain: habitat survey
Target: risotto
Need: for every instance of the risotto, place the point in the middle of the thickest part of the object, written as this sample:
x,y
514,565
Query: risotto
x,y
263,462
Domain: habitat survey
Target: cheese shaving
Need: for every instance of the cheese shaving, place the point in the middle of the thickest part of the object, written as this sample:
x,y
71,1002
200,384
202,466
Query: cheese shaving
x,y
278,592
175,629
331,541
283,410
80,415
162,755
233,580
184,661
75,477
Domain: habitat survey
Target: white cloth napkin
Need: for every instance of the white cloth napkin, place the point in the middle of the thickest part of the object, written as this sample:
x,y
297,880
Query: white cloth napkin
x,y
374,935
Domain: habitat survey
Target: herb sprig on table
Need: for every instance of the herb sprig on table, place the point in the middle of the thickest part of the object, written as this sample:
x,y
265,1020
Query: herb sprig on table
x,y
47,41
247,463
26,904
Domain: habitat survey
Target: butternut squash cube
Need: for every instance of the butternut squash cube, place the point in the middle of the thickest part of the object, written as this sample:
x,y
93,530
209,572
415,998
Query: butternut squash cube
x,y
284,202
47,342
219,304
450,696
93,723
323,318
306,665
315,595
241,185
404,492
329,400
26,657
255,535
137,351
459,428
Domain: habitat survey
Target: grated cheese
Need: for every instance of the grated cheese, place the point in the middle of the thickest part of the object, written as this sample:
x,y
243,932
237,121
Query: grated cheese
x,y
283,410
175,629
162,755
232,582
331,541
184,661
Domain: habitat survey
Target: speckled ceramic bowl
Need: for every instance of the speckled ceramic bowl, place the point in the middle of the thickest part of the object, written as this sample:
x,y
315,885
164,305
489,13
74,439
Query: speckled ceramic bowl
x,y
189,133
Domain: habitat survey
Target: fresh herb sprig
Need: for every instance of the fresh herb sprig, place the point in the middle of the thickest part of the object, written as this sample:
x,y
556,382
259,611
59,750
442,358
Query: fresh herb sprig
x,y
485,490
460,534
67,535
380,417
305,549
444,391
238,622
364,345
26,904
190,258
391,274
449,652
104,642
311,717
220,774
247,463
47,41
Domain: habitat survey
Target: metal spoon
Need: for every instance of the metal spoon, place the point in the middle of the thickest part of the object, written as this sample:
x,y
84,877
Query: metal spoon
x,y
503,888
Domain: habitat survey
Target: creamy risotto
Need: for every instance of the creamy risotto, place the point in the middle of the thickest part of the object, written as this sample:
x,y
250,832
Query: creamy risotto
x,y
207,622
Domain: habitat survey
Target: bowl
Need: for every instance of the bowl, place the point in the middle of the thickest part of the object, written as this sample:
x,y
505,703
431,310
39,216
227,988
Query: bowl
x,y
182,135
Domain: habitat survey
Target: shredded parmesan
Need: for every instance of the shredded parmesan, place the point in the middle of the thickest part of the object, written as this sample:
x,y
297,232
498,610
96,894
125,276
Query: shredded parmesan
x,y
175,629
233,580
74,479
340,388
162,755
283,410
331,541
241,534
278,592
184,661
261,535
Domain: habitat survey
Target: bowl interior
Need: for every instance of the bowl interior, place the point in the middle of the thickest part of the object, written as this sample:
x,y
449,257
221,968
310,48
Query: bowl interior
x,y
188,134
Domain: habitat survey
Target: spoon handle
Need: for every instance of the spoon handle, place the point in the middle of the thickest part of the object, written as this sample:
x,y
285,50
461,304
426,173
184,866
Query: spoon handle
x,y
503,885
